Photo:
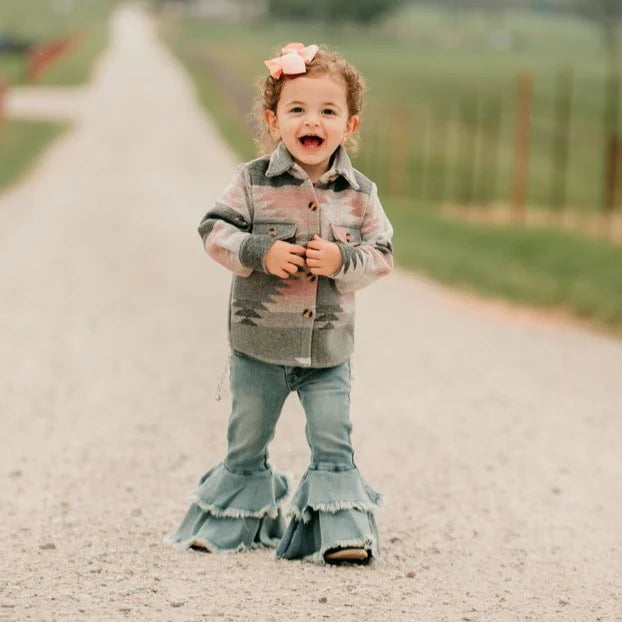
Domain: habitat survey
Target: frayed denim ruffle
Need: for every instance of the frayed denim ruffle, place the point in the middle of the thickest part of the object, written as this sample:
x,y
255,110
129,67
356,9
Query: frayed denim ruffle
x,y
331,509
234,511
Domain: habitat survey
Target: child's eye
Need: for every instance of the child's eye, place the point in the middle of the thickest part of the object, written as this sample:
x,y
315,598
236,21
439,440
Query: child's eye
x,y
296,109
329,111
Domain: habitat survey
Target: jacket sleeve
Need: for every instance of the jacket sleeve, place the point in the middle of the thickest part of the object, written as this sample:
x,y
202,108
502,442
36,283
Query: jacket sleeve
x,y
365,262
226,229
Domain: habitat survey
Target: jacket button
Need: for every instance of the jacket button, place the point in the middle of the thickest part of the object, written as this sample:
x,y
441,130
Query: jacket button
x,y
348,237
272,231
307,313
312,277
312,206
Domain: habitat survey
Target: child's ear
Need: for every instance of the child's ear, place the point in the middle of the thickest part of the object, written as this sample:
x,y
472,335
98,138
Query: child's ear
x,y
351,127
272,122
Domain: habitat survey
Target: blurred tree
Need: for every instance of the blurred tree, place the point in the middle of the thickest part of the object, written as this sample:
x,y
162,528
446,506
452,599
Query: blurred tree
x,y
361,11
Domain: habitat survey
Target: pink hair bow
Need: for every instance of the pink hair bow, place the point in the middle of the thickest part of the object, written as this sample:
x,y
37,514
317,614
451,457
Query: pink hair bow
x,y
293,60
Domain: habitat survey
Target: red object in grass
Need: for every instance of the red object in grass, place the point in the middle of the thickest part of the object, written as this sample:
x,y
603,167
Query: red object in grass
x,y
42,55
4,87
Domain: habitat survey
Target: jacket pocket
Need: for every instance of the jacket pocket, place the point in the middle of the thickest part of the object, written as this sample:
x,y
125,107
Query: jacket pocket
x,y
346,234
278,230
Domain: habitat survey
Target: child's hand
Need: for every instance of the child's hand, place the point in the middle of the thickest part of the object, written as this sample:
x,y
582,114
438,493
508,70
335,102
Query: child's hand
x,y
323,257
283,258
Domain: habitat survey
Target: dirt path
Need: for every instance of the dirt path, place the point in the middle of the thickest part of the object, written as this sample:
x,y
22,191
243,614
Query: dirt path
x,y
495,441
47,103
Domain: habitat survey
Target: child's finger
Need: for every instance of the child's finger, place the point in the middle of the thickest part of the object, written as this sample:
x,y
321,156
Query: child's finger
x,y
311,252
291,268
316,244
297,249
313,262
296,259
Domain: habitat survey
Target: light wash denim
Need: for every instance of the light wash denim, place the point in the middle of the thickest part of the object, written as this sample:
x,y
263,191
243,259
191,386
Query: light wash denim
x,y
238,503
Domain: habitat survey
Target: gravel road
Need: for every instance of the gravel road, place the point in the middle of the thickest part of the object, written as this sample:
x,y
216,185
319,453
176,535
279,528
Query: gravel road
x,y
494,435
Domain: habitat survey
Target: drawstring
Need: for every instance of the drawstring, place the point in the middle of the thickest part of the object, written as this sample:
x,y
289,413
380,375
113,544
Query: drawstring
x,y
221,381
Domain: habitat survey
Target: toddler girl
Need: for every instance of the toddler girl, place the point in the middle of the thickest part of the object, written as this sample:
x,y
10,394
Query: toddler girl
x,y
301,230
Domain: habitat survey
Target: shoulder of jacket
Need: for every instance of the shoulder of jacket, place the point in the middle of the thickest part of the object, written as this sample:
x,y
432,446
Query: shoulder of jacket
x,y
365,184
253,169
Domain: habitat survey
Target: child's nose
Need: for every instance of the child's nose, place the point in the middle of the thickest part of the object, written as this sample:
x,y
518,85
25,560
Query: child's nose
x,y
312,119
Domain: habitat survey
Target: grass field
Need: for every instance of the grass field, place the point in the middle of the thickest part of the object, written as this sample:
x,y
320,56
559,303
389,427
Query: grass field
x,y
425,62
542,267
45,20
444,73
21,142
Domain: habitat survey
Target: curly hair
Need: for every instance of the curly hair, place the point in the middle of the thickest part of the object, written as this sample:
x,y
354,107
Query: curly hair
x,y
324,62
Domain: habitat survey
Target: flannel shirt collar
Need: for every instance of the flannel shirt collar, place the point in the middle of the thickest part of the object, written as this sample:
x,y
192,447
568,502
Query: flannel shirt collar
x,y
281,161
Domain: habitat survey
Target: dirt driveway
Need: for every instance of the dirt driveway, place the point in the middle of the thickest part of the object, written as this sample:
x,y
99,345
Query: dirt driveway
x,y
494,436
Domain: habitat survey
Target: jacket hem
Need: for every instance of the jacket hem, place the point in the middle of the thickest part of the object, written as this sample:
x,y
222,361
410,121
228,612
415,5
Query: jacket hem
x,y
289,362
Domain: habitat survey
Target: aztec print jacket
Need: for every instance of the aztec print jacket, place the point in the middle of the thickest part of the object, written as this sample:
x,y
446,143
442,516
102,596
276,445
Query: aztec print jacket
x,y
303,320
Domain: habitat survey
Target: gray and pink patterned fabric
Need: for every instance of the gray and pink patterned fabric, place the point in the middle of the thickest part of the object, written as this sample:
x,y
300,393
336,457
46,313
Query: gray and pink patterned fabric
x,y
304,320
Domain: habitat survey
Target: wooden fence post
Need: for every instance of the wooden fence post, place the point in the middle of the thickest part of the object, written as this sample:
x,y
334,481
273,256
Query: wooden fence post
x,y
440,135
610,190
401,121
468,127
521,148
618,185
413,158
424,176
365,155
370,147
4,87
380,159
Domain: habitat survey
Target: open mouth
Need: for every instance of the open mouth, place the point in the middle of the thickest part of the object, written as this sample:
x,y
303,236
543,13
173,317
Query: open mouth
x,y
311,142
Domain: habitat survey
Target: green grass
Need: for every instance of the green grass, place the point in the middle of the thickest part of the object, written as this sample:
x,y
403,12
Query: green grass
x,y
46,20
21,143
75,66
541,267
436,68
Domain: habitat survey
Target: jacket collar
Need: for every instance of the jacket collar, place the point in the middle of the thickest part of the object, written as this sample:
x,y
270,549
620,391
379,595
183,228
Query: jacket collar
x,y
281,161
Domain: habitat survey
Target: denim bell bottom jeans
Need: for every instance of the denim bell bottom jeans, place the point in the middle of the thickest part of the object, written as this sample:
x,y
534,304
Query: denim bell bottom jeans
x,y
238,504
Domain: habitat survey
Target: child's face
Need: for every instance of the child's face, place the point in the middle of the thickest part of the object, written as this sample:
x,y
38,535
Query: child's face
x,y
312,120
